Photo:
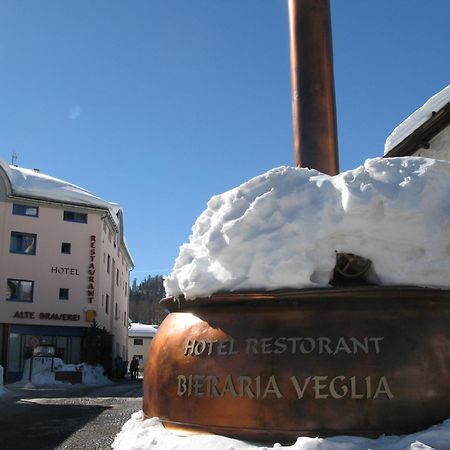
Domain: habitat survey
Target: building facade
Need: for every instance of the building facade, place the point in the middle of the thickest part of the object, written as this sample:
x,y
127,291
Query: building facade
x,y
63,264
140,337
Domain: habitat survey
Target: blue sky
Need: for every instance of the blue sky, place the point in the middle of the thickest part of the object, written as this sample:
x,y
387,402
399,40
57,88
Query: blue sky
x,y
160,104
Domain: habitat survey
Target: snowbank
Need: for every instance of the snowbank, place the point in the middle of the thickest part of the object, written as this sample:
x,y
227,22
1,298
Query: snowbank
x,y
418,118
282,229
151,435
93,375
43,375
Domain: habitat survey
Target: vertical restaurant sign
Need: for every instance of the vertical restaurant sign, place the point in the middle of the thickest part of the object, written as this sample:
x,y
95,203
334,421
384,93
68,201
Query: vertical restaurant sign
x,y
91,269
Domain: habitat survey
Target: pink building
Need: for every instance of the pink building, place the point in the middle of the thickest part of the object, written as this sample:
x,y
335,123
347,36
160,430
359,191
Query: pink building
x,y
63,264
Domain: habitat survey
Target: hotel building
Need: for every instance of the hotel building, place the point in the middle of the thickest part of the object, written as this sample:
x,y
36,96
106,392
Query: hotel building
x,y
63,264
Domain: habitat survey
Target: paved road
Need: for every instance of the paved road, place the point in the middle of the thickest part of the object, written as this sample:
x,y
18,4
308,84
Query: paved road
x,y
74,418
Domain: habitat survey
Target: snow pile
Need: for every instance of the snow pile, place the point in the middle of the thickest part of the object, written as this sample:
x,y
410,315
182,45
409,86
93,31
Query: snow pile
x,y
282,229
42,374
418,118
93,375
150,434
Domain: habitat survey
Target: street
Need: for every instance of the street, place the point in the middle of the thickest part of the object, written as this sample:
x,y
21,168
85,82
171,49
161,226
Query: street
x,y
71,418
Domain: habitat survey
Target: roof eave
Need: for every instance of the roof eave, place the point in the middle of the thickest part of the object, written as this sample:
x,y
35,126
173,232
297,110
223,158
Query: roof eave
x,y
44,200
422,135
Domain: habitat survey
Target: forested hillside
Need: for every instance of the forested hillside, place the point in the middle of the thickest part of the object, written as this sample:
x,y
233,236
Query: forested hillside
x,y
144,300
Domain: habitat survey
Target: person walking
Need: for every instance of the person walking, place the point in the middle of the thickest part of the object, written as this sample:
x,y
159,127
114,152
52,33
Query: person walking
x,y
134,368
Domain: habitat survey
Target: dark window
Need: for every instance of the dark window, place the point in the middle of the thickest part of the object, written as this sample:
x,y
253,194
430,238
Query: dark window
x,y
65,247
116,313
63,294
25,210
117,277
107,304
108,263
138,342
24,243
71,216
20,290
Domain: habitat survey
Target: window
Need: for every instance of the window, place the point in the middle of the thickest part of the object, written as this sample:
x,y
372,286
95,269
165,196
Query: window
x,y
138,341
20,290
66,248
124,319
70,216
24,243
107,304
116,312
108,263
63,294
117,277
25,210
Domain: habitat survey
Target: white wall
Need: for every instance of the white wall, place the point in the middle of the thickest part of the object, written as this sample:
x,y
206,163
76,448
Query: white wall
x,y
439,146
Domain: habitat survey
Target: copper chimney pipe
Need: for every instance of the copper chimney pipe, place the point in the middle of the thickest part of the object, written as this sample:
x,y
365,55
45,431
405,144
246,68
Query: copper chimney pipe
x,y
313,98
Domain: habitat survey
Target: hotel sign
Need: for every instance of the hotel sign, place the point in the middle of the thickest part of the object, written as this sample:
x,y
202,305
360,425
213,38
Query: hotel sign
x,y
91,269
323,386
64,270
46,316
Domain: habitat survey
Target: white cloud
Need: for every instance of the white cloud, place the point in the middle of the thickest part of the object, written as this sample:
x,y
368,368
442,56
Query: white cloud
x,y
74,112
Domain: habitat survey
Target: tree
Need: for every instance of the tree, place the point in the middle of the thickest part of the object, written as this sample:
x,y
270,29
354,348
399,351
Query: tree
x,y
145,298
98,347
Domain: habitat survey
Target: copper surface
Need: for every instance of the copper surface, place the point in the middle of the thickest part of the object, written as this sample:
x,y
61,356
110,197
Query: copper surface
x,y
313,97
413,357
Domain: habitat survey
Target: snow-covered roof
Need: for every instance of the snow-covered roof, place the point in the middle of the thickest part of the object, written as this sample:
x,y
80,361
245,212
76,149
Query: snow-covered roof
x,y
417,119
33,184
142,330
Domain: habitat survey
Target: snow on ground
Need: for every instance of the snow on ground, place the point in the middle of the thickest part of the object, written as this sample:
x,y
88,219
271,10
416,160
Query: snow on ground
x,y
415,120
93,375
281,229
150,434
42,374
